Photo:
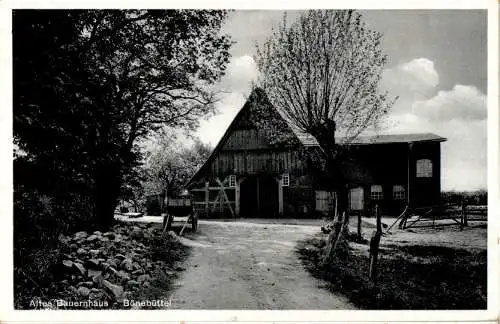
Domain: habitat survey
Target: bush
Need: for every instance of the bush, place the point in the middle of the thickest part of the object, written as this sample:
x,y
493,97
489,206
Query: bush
x,y
153,206
123,210
478,197
38,222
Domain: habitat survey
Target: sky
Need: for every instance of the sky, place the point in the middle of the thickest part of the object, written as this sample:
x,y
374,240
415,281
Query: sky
x,y
437,67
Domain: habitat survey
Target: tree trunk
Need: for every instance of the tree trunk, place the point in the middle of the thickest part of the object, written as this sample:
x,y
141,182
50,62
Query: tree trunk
x,y
107,191
333,240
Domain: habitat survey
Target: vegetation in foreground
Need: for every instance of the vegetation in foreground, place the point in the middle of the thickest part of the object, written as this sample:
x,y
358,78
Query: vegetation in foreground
x,y
410,277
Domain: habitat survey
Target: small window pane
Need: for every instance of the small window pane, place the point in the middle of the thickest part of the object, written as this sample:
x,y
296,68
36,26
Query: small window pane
x,y
424,168
376,192
398,192
232,181
285,180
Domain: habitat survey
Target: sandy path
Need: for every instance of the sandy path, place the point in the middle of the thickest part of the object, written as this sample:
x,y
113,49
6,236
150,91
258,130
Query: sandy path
x,y
250,266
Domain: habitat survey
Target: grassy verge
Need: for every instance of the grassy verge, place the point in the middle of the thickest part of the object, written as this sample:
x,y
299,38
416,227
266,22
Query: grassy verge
x,y
410,277
171,253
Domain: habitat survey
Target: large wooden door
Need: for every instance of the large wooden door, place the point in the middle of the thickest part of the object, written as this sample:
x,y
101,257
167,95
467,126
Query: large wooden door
x,y
248,197
357,198
268,197
259,197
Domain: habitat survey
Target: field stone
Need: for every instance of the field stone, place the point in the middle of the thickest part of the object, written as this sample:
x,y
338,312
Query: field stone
x,y
132,283
68,263
87,284
91,238
144,277
80,268
80,234
127,264
112,263
92,263
83,291
136,266
93,273
98,279
119,256
137,272
74,246
116,290
81,251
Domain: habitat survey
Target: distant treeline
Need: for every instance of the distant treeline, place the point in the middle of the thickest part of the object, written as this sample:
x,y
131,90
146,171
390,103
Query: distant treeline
x,y
477,197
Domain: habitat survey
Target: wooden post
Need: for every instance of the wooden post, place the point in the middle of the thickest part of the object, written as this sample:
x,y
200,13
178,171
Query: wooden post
x,y
237,198
223,196
280,197
410,145
207,195
258,197
374,247
360,234
464,213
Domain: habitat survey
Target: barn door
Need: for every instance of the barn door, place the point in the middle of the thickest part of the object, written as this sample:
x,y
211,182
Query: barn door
x,y
356,198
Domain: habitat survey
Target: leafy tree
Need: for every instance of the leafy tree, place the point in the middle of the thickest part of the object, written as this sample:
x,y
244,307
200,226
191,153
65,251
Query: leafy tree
x,y
170,165
89,83
322,72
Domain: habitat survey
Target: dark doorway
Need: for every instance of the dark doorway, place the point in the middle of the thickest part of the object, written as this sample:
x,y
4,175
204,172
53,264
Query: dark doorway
x,y
248,197
259,197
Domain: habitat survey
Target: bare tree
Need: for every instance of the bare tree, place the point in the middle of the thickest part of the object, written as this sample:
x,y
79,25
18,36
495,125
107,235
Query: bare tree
x,y
322,72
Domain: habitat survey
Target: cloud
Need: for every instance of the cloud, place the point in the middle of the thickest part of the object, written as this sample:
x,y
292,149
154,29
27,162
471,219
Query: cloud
x,y
241,72
459,114
412,80
462,102
211,130
464,153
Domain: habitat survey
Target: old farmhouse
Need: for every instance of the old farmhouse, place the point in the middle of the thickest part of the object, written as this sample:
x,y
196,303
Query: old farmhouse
x,y
258,169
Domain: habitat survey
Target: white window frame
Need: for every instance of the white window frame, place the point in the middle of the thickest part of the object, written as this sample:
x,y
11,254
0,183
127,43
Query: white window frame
x,y
232,181
424,168
285,180
398,192
376,194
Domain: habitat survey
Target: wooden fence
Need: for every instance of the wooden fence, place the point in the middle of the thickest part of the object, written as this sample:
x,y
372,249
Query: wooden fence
x,y
434,216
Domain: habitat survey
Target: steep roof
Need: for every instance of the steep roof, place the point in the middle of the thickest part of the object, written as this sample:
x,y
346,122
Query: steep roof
x,y
307,139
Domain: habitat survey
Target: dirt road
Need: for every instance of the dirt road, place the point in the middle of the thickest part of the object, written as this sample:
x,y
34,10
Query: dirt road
x,y
250,266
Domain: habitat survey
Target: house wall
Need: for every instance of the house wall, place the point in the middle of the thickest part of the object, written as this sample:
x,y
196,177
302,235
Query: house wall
x,y
382,164
388,165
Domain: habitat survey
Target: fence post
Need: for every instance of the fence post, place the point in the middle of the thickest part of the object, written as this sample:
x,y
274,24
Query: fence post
x,y
360,234
374,247
207,195
464,213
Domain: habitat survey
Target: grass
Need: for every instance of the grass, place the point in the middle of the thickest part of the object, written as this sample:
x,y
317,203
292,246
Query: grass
x,y
410,277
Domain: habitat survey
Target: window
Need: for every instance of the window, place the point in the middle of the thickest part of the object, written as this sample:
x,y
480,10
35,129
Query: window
x,y
424,168
398,192
285,180
232,181
376,192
